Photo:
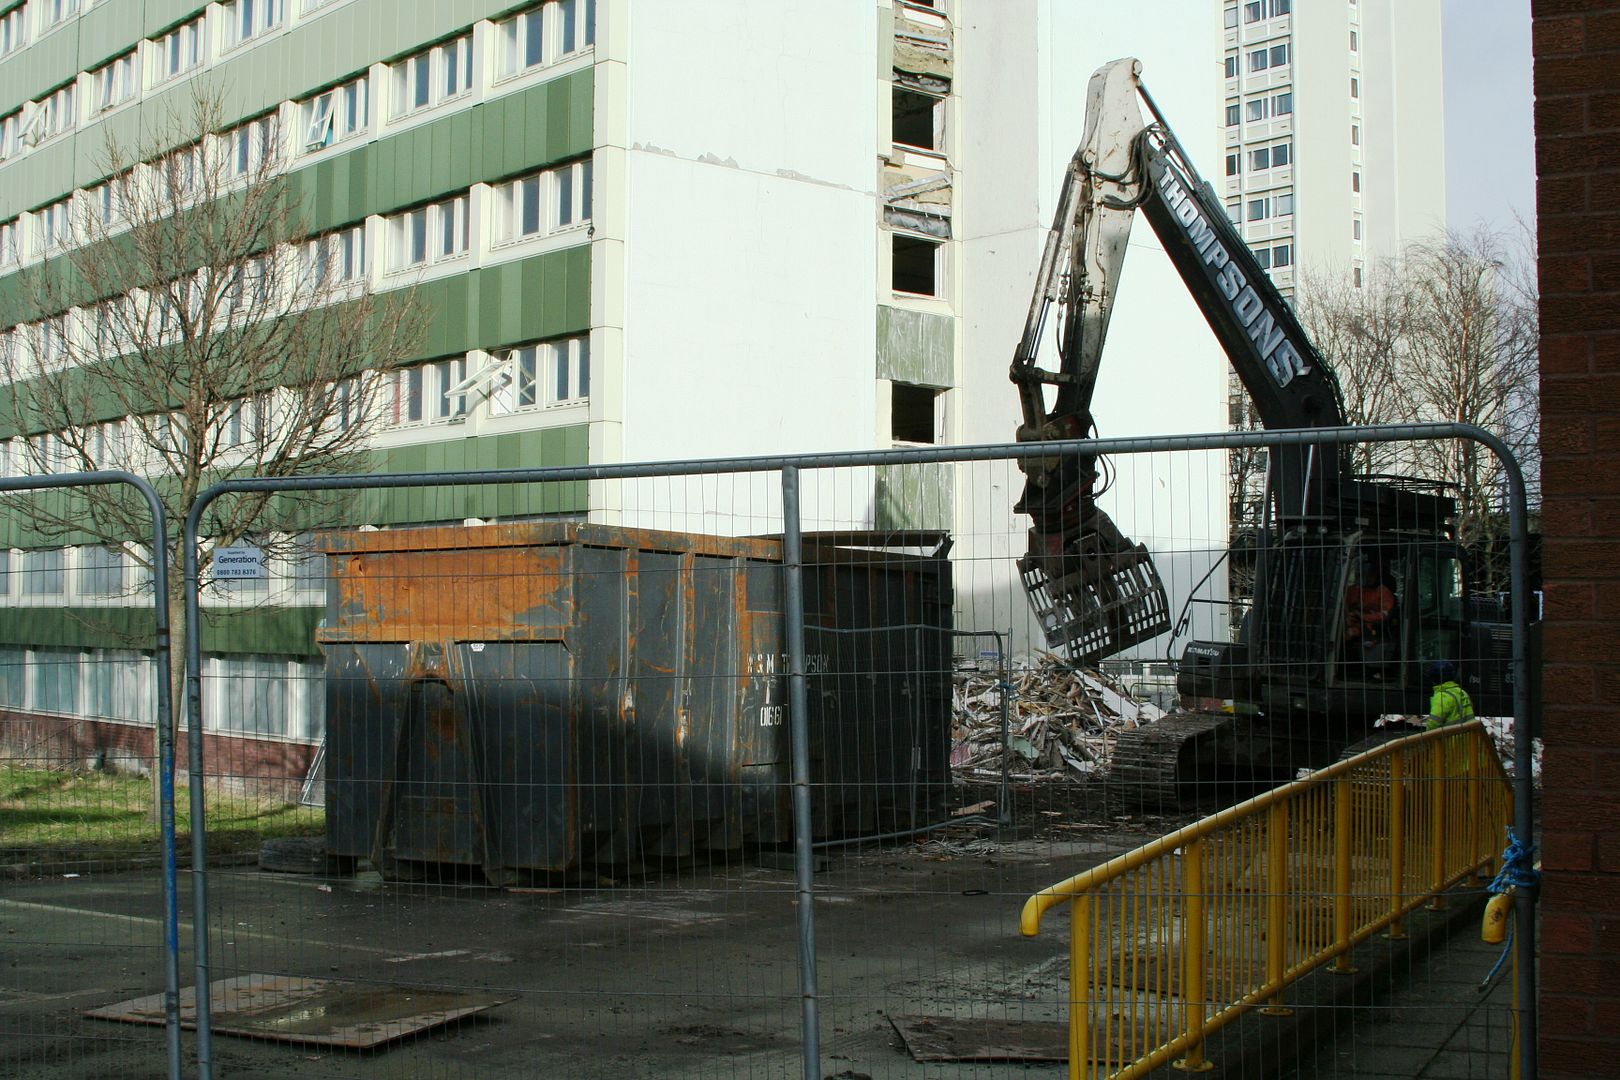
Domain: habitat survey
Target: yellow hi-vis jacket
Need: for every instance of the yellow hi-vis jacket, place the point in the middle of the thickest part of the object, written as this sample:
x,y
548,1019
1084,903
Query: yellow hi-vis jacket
x,y
1449,705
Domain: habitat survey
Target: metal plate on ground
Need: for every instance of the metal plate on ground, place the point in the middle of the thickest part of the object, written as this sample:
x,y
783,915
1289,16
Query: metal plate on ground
x,y
316,1012
944,1038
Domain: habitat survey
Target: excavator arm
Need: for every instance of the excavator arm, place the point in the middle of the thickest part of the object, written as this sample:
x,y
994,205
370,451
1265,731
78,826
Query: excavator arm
x,y
1095,592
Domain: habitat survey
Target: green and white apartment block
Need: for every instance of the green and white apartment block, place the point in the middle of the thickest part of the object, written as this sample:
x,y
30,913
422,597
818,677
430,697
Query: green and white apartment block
x,y
643,230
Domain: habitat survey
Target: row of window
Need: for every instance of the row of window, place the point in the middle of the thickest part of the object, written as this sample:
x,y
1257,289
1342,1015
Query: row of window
x,y
108,570
27,20
517,379
534,376
547,203
1257,109
1256,10
1260,158
260,696
1275,256
94,571
541,35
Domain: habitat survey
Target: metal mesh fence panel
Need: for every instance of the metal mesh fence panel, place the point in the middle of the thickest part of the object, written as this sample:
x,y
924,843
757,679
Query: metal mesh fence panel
x,y
521,755
87,872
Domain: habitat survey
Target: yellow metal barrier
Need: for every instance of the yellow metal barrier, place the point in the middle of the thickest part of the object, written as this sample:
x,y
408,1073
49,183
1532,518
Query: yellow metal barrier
x,y
1177,938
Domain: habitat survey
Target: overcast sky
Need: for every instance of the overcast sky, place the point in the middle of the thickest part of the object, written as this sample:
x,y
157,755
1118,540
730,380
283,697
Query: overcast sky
x,y
1490,143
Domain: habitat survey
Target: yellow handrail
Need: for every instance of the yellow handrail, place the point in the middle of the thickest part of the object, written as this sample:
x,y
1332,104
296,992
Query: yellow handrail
x,y
1175,939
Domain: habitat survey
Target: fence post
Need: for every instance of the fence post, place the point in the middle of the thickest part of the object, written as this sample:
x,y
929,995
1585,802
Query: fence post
x,y
1080,982
1192,959
199,830
1276,903
1397,842
1437,823
1342,884
803,853
162,727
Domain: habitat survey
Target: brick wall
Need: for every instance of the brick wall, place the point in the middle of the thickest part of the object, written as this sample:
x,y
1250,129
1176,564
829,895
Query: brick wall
x,y
1577,83
267,768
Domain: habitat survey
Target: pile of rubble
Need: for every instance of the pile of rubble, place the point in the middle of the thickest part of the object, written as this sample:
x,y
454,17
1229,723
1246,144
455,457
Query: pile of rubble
x,y
1061,720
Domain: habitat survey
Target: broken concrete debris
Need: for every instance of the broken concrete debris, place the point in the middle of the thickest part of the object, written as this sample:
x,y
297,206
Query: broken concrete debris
x,y
1061,720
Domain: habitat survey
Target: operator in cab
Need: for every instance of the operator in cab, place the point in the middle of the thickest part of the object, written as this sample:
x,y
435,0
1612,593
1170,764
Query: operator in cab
x,y
1450,703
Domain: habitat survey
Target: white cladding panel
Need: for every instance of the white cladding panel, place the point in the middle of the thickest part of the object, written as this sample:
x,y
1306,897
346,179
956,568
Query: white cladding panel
x,y
749,263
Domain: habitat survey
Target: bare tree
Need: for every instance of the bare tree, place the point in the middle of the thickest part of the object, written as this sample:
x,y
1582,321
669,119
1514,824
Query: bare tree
x,y
1362,330
184,326
1472,358
1446,332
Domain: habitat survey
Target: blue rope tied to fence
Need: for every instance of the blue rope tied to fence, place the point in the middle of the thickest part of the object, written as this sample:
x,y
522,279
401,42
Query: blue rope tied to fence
x,y
1518,872
1518,867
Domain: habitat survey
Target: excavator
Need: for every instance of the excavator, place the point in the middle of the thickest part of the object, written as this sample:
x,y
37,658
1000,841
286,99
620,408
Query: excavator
x,y
1359,583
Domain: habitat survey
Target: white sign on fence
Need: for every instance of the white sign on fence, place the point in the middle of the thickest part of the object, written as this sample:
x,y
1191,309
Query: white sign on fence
x,y
239,563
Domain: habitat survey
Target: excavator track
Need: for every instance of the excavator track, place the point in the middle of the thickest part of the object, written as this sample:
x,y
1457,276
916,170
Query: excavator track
x,y
1155,766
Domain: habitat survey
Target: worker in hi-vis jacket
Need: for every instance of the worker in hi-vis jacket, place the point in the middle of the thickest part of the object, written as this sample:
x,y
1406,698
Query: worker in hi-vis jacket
x,y
1450,703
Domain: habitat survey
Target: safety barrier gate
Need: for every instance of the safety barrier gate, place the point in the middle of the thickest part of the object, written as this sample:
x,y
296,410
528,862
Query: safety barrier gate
x,y
1181,936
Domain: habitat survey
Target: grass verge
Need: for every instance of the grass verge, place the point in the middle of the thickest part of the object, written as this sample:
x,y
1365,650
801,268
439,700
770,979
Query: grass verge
x,y
57,815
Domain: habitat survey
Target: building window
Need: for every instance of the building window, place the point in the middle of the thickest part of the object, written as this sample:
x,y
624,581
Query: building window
x,y
10,254
1355,41
108,201
1274,156
13,31
1355,228
1355,276
10,134
115,82
1229,18
1256,10
431,76
251,146
546,202
51,226
1275,56
43,573
1355,181
1282,256
1271,206
1264,108
59,112
544,34
916,265
912,413
55,12
252,694
1355,134
55,681
1232,115
1232,67
335,115
543,375
917,119
1234,211
1233,164
429,234
336,258
424,392
178,51
1355,87
247,19
101,570
1263,257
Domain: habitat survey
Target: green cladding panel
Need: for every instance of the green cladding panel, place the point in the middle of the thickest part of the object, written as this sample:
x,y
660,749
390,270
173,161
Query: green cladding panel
x,y
916,496
915,346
